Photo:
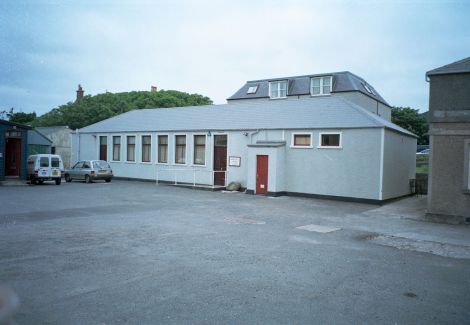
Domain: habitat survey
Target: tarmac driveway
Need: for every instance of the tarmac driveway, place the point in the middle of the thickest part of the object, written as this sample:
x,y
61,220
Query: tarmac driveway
x,y
136,253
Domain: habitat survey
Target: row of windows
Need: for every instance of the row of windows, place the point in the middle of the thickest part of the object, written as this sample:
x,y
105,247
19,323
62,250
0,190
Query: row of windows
x,y
318,86
299,140
199,152
326,140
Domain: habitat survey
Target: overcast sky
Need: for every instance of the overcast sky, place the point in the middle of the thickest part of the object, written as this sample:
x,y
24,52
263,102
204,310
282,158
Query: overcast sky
x,y
212,47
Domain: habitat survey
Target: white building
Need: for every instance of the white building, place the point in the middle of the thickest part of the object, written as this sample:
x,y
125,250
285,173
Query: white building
x,y
332,139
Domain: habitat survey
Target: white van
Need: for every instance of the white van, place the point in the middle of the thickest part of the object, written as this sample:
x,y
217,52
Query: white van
x,y
45,167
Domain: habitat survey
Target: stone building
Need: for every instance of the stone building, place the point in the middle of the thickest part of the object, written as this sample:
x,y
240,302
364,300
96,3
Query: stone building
x,y
449,117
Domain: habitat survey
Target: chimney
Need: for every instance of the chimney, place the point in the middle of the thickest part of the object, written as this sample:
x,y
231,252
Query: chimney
x,y
79,93
153,89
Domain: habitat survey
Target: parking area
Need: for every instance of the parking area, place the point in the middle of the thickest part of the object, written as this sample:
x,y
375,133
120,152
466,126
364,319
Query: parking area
x,y
136,253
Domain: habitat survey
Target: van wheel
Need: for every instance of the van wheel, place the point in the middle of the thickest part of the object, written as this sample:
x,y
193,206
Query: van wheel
x,y
107,180
32,180
67,178
87,179
40,181
57,181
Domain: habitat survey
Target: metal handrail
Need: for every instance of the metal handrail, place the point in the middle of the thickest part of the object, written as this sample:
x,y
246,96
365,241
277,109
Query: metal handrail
x,y
194,170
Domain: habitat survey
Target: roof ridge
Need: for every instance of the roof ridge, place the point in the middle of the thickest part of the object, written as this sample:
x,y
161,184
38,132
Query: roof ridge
x,y
301,76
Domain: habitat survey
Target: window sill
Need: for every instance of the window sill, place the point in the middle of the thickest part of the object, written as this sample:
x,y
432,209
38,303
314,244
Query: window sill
x,y
130,162
162,163
146,162
320,147
197,165
320,95
275,98
301,147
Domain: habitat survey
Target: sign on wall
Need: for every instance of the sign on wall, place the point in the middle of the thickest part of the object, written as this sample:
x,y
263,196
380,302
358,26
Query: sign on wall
x,y
234,161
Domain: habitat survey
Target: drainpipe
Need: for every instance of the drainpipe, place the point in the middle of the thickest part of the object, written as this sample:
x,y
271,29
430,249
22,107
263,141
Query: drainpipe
x,y
252,134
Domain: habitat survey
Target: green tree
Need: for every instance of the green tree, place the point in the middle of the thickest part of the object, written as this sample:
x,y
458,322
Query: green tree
x,y
22,118
410,119
92,109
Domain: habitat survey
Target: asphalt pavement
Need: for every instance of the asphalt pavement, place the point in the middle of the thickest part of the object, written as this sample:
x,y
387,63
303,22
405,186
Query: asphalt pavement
x,y
136,253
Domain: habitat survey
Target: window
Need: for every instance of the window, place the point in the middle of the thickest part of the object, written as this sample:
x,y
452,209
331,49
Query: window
x,y
44,162
199,150
330,140
278,89
301,140
163,149
103,148
368,88
55,162
180,149
320,86
146,148
252,89
117,148
130,148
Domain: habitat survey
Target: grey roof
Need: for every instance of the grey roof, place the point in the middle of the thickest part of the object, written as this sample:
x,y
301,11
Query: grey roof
x,y
48,130
329,112
300,85
462,66
36,137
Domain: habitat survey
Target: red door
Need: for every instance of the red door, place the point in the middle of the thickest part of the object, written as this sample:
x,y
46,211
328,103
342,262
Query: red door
x,y
13,157
220,159
261,174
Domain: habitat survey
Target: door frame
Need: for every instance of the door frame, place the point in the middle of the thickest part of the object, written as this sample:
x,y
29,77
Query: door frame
x,y
267,174
19,163
213,134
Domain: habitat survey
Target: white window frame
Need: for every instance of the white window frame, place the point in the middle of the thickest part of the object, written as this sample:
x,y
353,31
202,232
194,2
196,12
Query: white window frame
x,y
205,151
185,150
167,149
120,148
252,90
321,86
330,147
278,82
466,170
292,143
135,149
141,148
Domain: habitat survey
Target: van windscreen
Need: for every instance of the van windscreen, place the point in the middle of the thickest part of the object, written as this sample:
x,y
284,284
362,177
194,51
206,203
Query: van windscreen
x,y
44,162
55,162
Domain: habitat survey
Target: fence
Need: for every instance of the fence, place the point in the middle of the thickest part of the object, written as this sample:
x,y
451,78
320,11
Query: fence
x,y
194,177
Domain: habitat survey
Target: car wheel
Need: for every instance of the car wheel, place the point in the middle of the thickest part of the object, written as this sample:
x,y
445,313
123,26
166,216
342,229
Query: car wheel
x,y
58,181
107,180
67,178
87,179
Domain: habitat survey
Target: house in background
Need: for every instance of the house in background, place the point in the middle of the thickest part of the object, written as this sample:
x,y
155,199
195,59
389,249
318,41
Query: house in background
x,y
449,136
337,84
13,149
61,141
38,143
325,135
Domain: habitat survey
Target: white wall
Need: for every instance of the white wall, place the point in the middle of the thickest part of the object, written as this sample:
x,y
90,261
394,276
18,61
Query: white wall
x,y
368,103
351,171
399,164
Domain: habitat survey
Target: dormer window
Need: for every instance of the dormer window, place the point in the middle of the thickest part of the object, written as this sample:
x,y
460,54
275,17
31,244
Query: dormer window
x,y
278,89
252,89
368,88
321,86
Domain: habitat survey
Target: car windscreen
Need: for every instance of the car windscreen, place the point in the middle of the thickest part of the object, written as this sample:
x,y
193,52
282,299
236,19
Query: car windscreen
x,y
55,162
100,164
44,161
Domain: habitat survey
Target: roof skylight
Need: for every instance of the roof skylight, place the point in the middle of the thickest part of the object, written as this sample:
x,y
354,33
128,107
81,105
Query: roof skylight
x,y
368,88
252,89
